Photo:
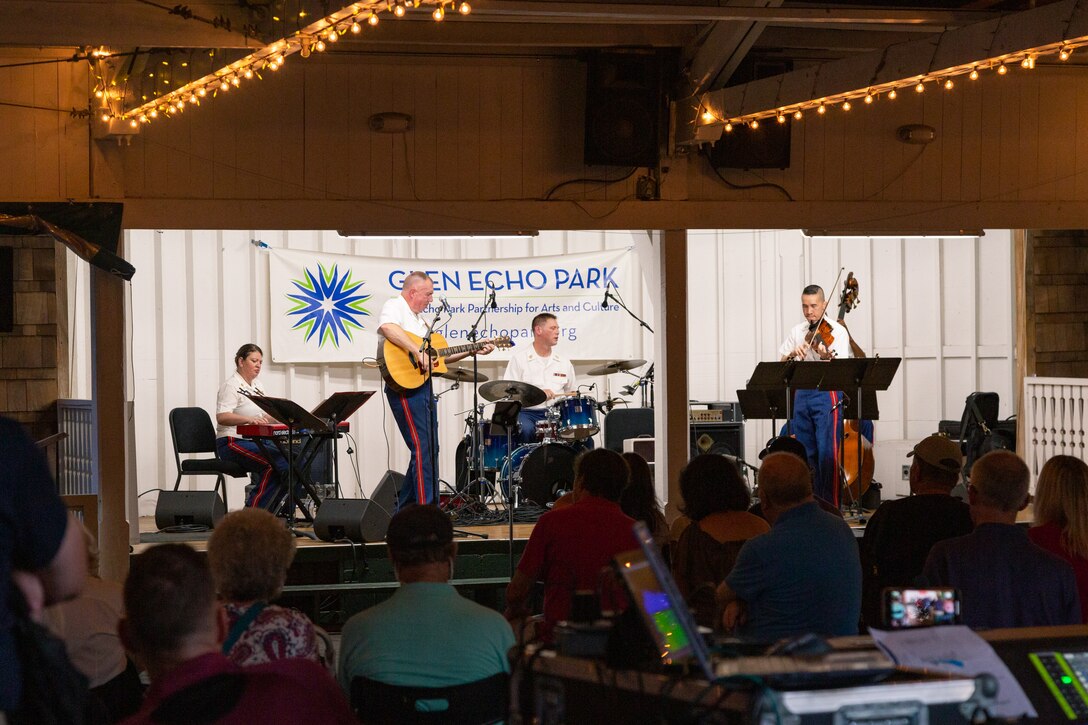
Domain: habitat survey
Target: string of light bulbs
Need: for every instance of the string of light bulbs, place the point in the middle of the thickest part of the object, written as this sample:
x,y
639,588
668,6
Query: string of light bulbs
x,y
944,78
315,37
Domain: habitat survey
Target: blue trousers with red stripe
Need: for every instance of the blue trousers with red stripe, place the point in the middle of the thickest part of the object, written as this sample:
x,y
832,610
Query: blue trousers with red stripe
x,y
418,426
817,423
270,484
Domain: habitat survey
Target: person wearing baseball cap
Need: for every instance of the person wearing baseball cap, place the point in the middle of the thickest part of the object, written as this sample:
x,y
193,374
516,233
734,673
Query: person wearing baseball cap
x,y
901,532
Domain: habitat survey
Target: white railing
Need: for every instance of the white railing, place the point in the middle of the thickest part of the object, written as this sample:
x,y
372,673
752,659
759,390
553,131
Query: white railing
x,y
1054,420
76,454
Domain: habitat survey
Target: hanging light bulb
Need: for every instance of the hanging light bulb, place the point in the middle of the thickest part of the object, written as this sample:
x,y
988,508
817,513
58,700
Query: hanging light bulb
x,y
355,27
134,123
1063,54
707,116
1002,69
154,113
754,124
143,118
821,109
320,46
373,19
464,8
892,94
202,91
224,85
248,74
399,10
729,128
439,14
920,88
99,93
781,118
846,106
974,74
948,84
797,115
333,36
105,117
868,97
236,81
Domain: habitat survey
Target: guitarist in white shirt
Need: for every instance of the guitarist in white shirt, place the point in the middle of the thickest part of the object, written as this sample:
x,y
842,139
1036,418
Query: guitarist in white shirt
x,y
412,408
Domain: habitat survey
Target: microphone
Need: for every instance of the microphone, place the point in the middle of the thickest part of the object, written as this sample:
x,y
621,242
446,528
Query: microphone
x,y
445,303
493,303
607,296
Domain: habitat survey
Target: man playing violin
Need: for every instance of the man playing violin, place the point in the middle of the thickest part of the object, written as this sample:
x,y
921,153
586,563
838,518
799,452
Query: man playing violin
x,y
817,414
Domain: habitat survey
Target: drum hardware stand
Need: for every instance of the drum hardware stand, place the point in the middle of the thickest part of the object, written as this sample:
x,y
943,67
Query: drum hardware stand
x,y
506,415
476,466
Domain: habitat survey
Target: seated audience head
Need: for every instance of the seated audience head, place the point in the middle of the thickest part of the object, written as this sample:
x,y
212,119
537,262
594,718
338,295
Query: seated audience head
x,y
639,500
249,553
999,487
784,444
421,546
602,472
709,484
170,610
936,466
785,482
1061,498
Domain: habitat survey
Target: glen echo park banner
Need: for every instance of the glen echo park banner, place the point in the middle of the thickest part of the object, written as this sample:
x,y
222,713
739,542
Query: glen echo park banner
x,y
324,308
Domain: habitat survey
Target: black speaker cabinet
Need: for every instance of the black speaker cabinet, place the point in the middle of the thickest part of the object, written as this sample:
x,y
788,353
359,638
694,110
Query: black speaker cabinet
x,y
351,518
727,438
189,508
385,495
623,423
766,147
624,108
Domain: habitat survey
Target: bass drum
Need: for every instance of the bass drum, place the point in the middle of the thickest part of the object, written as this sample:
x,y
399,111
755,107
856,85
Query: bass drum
x,y
541,471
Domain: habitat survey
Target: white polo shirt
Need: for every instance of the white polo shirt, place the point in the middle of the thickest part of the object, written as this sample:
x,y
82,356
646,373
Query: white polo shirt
x,y
553,372
397,311
797,335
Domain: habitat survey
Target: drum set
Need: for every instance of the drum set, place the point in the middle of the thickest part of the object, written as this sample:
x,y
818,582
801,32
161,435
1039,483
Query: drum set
x,y
493,457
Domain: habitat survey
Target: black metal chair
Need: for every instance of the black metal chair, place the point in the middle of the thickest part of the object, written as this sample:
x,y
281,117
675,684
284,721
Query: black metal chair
x,y
474,703
192,431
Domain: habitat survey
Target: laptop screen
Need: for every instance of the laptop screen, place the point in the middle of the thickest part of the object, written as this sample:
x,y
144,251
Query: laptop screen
x,y
664,611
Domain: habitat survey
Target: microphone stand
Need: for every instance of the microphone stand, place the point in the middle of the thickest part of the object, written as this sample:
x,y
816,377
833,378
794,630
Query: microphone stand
x,y
432,412
649,375
476,465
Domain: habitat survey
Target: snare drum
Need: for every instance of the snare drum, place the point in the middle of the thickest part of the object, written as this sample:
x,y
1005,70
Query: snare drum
x,y
540,470
577,417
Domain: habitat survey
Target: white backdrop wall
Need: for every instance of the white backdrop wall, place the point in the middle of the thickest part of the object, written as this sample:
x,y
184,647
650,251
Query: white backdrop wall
x,y
944,305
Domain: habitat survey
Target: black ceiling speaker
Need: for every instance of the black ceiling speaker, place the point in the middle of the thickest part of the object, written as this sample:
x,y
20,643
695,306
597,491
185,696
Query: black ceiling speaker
x,y
766,147
625,105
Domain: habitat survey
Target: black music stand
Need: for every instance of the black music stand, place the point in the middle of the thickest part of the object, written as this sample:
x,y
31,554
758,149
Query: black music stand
x,y
763,405
335,409
296,418
772,377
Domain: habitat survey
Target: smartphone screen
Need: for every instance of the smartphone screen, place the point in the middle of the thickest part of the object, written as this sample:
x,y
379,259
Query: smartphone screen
x,y
920,607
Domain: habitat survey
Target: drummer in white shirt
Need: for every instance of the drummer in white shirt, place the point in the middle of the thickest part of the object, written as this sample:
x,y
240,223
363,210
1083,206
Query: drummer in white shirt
x,y
540,365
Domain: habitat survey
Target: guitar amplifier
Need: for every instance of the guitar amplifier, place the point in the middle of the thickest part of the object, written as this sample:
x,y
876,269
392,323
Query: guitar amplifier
x,y
715,412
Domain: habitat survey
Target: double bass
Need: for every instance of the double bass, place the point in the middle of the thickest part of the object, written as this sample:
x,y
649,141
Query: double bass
x,y
857,470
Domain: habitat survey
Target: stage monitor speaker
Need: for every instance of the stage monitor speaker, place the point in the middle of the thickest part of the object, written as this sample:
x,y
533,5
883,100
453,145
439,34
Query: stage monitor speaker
x,y
355,519
385,495
725,438
623,423
189,508
624,109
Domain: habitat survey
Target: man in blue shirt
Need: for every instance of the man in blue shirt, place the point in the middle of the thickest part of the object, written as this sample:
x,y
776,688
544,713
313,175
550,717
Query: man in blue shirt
x,y
1004,579
426,634
802,576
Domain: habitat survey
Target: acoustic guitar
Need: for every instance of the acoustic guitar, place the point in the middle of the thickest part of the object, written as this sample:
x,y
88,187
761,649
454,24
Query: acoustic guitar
x,y
400,371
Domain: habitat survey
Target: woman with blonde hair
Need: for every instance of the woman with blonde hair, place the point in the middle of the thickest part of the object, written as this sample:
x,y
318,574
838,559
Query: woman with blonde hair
x,y
1061,517
249,553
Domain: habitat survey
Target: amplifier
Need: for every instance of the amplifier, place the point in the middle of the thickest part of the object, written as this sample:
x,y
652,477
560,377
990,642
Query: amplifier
x,y
714,412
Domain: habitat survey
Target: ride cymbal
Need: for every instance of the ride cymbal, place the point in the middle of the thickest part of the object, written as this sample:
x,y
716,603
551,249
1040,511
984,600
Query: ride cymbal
x,y
616,366
526,394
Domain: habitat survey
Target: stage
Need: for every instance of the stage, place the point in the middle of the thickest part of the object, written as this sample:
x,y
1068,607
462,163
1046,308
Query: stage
x,y
331,581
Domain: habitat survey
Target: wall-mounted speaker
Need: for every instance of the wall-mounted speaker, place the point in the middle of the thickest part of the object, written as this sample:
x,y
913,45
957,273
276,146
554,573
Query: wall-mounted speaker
x,y
188,508
354,519
766,147
724,438
624,109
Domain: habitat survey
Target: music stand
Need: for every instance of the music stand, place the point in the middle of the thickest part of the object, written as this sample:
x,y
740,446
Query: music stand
x,y
773,377
296,418
763,405
334,409
505,415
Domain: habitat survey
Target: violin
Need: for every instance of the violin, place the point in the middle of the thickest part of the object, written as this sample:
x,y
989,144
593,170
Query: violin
x,y
821,332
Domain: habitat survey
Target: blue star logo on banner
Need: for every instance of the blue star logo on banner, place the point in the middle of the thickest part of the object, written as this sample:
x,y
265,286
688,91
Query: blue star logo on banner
x,y
327,306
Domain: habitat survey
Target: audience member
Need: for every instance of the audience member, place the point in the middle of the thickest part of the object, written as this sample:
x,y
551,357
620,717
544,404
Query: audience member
x,y
175,628
1003,578
789,444
900,533
716,501
41,547
88,627
569,547
803,575
249,553
1061,517
426,634
639,500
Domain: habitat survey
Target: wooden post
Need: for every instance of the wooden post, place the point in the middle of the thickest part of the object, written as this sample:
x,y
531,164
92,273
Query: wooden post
x,y
1025,322
671,371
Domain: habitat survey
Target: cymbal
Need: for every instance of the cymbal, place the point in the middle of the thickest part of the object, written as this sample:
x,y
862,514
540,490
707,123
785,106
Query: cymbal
x,y
524,393
463,375
615,366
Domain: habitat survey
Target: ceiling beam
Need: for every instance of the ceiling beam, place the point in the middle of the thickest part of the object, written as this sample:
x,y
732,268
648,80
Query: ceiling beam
x,y
469,36
112,24
722,50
